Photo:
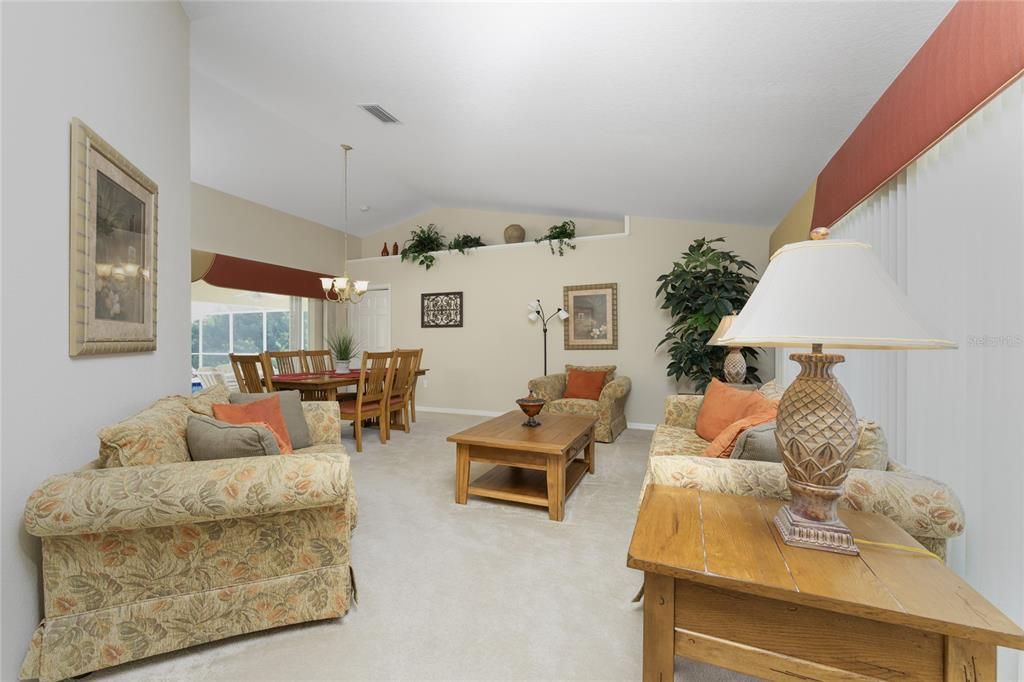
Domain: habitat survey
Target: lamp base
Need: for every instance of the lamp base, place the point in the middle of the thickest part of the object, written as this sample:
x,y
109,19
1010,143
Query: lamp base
x,y
735,367
830,536
816,434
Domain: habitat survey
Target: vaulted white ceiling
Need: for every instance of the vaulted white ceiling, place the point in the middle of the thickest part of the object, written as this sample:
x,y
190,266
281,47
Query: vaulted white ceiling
x,y
705,111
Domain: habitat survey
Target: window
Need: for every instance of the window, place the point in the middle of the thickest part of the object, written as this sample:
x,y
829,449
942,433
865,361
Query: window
x,y
227,321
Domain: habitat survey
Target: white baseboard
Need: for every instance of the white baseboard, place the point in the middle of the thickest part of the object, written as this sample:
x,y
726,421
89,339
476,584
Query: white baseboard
x,y
640,426
458,410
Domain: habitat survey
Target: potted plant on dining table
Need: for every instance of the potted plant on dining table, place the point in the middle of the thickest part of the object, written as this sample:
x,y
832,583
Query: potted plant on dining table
x,y
344,347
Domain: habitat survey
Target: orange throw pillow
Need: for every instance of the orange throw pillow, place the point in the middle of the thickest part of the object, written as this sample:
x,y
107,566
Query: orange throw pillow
x,y
722,446
724,405
584,384
262,412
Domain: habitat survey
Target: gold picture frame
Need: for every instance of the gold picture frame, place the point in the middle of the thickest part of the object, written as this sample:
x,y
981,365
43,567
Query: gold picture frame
x,y
113,260
593,322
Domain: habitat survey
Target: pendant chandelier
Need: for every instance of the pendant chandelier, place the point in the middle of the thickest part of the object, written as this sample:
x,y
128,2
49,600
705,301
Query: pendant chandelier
x,y
342,289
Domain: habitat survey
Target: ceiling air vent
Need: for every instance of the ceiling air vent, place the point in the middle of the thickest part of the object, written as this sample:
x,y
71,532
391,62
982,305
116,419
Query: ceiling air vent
x,y
379,113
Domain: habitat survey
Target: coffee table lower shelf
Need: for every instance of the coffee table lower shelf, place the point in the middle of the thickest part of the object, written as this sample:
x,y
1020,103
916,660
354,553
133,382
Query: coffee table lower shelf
x,y
525,486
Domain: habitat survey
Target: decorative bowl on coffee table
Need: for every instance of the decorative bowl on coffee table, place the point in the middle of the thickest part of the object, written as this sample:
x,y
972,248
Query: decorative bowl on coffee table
x,y
531,407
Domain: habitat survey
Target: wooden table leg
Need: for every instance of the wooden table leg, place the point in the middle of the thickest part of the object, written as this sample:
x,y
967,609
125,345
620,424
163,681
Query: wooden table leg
x,y
556,487
968,661
461,473
588,457
659,628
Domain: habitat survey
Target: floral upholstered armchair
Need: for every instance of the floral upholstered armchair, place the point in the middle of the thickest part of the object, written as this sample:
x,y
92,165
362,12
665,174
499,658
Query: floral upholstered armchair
x,y
609,409
150,552
927,509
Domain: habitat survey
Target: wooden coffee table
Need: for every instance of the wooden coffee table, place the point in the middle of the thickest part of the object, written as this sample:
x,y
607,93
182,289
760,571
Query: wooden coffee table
x,y
539,466
721,587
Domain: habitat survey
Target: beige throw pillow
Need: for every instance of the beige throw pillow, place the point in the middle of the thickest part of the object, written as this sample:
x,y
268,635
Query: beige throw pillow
x,y
211,439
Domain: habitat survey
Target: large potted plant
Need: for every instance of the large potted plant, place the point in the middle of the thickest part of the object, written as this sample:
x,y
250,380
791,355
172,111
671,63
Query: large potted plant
x,y
705,285
343,346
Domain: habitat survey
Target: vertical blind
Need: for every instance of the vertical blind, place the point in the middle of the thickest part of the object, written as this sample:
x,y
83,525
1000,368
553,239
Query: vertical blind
x,y
950,231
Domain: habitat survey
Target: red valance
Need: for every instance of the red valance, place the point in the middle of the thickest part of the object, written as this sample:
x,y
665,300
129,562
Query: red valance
x,y
974,53
250,275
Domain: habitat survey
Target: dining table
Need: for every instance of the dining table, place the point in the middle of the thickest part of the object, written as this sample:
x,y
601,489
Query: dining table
x,y
325,385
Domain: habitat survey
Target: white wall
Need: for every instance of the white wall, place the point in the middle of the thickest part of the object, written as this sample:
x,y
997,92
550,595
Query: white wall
x,y
123,68
485,365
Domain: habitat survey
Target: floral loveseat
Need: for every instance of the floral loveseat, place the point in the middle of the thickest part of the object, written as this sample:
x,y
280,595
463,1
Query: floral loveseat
x,y
609,409
927,509
147,552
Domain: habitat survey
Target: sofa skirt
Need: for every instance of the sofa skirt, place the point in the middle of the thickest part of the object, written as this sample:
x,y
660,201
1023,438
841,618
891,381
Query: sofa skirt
x,y
76,644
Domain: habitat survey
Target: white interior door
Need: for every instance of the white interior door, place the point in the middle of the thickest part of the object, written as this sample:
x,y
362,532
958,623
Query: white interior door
x,y
370,320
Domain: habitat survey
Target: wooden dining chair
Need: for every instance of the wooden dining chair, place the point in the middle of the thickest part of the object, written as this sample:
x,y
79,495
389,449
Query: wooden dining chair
x,y
401,386
372,395
289,362
248,370
284,362
415,380
318,360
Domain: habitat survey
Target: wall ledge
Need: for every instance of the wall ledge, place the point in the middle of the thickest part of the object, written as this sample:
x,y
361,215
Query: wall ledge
x,y
521,245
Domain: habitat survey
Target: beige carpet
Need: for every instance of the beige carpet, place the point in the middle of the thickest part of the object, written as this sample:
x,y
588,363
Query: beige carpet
x,y
485,591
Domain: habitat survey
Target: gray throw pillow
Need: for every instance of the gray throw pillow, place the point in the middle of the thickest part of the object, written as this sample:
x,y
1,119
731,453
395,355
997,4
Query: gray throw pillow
x,y
211,439
291,409
757,443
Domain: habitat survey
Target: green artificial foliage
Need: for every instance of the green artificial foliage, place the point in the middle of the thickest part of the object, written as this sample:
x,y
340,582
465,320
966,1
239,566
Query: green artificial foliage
x,y
419,247
703,287
461,242
560,236
343,345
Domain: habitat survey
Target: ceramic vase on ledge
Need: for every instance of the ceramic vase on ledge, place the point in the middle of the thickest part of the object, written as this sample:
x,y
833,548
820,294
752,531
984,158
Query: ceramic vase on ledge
x,y
341,366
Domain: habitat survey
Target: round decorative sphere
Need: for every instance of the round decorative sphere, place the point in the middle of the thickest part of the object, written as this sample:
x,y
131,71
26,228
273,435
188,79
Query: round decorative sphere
x,y
514,234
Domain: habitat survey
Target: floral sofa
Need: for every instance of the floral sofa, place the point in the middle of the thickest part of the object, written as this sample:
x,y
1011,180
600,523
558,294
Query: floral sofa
x,y
146,552
609,409
927,509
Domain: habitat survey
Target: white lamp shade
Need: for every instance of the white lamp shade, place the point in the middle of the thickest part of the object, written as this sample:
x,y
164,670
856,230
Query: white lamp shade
x,y
361,286
563,314
832,292
533,317
721,331
533,306
327,283
340,283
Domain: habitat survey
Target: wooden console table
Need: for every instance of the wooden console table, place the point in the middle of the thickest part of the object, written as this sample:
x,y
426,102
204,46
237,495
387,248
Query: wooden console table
x,y
721,587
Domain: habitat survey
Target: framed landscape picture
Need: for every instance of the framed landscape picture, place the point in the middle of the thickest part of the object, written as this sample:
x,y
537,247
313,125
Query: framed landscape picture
x,y
113,250
593,322
441,310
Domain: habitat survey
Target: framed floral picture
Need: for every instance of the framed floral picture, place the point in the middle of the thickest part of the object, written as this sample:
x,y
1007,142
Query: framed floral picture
x,y
593,322
441,310
112,283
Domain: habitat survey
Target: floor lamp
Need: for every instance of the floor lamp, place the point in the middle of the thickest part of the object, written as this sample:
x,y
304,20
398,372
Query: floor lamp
x,y
537,313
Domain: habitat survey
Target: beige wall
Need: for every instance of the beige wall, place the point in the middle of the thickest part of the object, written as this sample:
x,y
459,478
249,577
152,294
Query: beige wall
x,y
489,225
224,223
486,364
797,223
